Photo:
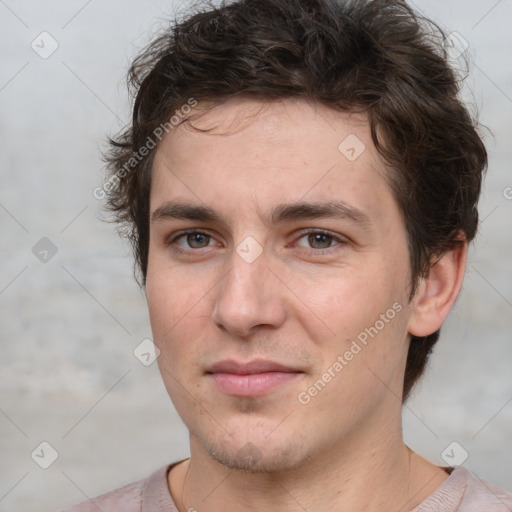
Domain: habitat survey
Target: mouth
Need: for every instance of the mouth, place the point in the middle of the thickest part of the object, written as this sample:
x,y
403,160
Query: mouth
x,y
250,379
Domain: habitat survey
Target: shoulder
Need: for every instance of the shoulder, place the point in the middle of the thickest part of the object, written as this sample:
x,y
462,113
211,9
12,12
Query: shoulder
x,y
127,498
130,497
464,492
482,496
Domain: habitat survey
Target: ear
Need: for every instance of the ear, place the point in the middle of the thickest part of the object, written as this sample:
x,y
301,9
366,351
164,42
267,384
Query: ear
x,y
438,291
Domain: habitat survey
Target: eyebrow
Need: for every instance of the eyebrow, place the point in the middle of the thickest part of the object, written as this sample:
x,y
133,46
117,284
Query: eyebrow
x,y
333,209
281,213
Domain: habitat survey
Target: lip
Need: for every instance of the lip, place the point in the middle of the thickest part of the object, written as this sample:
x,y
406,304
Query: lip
x,y
249,367
250,379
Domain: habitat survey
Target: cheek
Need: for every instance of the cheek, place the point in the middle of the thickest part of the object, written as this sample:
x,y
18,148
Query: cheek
x,y
350,300
171,291
366,314
178,303
170,303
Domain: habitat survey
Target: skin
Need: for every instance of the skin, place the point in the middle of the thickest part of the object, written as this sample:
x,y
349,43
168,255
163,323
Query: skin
x,y
301,303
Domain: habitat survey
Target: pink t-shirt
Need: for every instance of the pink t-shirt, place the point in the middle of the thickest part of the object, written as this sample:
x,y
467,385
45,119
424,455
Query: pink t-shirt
x,y
460,492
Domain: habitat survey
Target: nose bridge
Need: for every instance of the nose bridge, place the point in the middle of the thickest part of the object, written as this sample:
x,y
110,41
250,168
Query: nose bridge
x,y
245,297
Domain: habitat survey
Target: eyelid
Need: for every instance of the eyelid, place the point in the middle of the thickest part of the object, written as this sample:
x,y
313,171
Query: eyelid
x,y
319,231
191,231
341,240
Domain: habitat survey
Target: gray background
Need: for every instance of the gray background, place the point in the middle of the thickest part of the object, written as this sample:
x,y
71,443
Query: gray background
x,y
69,326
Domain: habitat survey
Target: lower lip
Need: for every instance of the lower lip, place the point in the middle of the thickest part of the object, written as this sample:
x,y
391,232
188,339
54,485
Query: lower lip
x,y
256,384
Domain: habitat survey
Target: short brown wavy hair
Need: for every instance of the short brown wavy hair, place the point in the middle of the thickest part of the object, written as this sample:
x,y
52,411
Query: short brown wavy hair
x,y
379,57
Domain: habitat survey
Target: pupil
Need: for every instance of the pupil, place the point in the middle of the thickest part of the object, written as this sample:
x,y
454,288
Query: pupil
x,y
197,239
318,239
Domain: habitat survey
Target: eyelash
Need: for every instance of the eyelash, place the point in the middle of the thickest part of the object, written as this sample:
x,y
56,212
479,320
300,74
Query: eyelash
x,y
335,239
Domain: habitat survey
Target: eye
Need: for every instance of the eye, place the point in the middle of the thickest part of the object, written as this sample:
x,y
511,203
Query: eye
x,y
319,240
193,240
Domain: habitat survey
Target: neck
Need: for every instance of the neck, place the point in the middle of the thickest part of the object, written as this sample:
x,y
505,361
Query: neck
x,y
380,475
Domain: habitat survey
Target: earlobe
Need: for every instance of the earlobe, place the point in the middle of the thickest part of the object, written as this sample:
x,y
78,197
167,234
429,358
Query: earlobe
x,y
438,291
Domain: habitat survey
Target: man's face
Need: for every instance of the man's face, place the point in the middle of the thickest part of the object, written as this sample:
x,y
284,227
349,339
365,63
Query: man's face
x,y
277,284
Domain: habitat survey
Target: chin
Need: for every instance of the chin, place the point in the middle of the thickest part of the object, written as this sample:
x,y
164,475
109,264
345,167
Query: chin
x,y
257,455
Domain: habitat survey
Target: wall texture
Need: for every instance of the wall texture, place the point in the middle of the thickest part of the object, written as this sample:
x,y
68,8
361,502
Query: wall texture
x,y
71,314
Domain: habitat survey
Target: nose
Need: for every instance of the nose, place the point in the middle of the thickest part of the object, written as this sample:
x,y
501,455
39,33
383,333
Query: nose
x,y
248,296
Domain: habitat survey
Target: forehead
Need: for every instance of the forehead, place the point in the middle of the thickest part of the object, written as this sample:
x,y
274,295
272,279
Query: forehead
x,y
245,155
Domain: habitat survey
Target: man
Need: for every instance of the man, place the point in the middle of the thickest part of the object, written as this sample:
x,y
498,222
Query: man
x,y
300,184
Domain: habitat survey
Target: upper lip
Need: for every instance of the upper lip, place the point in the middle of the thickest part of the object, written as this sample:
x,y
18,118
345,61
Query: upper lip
x,y
249,368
